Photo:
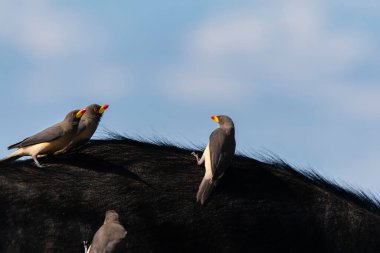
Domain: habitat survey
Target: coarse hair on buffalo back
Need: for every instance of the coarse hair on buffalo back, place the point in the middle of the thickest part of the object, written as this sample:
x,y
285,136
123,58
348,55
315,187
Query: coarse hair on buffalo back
x,y
259,205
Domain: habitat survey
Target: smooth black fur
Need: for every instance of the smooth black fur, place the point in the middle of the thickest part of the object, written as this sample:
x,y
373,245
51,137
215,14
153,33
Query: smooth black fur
x,y
257,207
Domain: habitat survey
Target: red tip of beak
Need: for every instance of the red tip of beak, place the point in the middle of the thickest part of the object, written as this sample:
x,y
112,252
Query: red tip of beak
x,y
213,117
105,106
83,110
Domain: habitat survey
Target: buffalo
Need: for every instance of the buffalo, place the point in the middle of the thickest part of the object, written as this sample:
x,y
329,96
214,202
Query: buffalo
x,y
258,206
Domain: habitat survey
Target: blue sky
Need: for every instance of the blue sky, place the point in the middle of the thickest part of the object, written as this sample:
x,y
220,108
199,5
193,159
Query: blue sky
x,y
299,78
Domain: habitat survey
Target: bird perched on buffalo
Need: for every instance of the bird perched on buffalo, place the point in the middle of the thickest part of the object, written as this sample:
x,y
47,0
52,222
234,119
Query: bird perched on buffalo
x,y
109,235
217,155
48,141
87,126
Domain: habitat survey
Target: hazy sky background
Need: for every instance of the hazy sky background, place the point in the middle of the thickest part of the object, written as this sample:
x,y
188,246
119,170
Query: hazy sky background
x,y
299,78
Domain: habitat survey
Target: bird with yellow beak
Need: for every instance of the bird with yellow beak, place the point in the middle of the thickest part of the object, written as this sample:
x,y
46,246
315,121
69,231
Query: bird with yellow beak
x,y
217,155
48,141
87,126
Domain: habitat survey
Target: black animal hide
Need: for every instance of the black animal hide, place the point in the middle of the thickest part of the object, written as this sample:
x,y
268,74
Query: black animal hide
x,y
257,207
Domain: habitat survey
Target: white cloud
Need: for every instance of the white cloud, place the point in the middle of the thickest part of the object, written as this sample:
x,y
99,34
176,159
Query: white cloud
x,y
109,82
66,53
236,33
370,6
41,30
199,86
46,38
49,85
293,46
355,100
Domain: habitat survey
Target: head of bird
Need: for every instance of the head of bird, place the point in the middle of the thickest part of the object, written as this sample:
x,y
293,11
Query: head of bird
x,y
74,116
111,216
223,121
96,111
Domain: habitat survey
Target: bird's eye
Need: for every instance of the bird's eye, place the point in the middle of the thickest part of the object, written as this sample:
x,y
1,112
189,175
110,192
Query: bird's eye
x,y
95,109
221,117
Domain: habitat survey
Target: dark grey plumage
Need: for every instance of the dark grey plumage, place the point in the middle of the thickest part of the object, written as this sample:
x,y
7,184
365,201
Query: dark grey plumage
x,y
109,234
49,140
217,155
87,126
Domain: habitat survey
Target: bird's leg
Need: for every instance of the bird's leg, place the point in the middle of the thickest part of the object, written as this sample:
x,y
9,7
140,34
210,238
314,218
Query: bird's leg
x,y
195,155
36,162
85,246
199,161
60,152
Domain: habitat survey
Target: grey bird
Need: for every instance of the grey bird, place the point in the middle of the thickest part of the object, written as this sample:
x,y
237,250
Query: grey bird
x,y
87,126
217,155
109,235
48,141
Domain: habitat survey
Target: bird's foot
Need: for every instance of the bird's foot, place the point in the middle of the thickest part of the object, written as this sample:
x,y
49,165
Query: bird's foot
x,y
41,166
37,163
195,155
85,245
199,161
61,152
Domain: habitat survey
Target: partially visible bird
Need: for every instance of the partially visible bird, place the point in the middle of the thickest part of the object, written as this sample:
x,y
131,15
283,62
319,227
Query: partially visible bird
x,y
48,141
87,126
109,235
217,155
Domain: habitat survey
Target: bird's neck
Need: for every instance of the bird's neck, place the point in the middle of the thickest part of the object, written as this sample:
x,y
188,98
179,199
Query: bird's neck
x,y
229,130
92,117
70,126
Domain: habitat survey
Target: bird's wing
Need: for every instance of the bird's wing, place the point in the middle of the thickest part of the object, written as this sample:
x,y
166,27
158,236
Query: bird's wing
x,y
219,158
46,135
99,241
116,234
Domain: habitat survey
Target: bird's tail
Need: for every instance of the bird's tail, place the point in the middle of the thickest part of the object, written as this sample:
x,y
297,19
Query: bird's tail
x,y
16,145
205,189
12,157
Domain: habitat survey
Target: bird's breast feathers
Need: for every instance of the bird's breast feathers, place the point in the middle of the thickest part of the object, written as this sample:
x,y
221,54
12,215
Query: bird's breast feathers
x,y
44,148
208,167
